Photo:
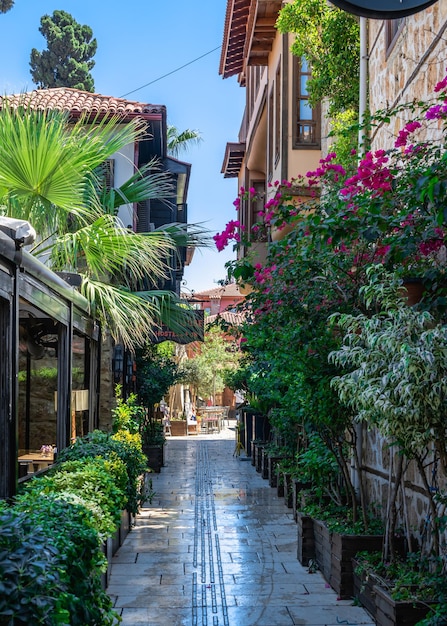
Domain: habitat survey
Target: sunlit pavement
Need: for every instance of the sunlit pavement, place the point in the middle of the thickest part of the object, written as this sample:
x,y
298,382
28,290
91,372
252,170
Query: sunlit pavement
x,y
217,547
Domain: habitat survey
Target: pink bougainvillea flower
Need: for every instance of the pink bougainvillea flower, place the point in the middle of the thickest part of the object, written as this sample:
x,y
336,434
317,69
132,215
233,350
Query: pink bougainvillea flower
x,y
402,137
231,232
441,85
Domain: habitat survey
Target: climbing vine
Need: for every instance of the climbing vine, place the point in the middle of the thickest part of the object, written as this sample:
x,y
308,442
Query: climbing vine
x,y
329,39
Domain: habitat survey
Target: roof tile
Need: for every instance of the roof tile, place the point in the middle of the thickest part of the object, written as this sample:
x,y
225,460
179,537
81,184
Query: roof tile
x,y
78,103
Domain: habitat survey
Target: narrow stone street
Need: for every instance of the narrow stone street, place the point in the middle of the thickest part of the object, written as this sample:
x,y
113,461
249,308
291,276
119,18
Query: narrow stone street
x,y
217,547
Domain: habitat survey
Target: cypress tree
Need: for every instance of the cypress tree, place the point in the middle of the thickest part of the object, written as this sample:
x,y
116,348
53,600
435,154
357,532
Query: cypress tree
x,y
6,5
68,59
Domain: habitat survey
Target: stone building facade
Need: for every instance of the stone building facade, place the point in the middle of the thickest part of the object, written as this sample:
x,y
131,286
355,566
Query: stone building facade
x,y
406,59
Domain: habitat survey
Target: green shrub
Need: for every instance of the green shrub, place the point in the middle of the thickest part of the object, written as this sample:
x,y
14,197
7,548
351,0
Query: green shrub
x,y
30,580
128,414
97,484
122,446
51,537
79,558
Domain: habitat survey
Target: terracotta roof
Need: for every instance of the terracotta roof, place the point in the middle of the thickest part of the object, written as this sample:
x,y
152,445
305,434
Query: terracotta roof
x,y
235,319
230,291
78,103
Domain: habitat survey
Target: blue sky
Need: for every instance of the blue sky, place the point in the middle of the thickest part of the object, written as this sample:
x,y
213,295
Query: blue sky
x,y
138,43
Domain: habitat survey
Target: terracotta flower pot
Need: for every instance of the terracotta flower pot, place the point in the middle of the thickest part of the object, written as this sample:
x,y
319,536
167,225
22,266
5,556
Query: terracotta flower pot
x,y
412,290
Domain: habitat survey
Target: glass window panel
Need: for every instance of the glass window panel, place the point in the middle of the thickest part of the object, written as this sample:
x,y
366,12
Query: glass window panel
x,y
305,133
79,424
303,86
38,364
304,65
305,110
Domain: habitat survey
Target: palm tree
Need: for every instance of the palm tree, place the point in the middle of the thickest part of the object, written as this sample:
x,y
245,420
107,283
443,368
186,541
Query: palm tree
x,y
48,176
181,141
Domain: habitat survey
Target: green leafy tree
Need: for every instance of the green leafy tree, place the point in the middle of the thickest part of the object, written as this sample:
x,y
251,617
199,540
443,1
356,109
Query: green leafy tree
x,y
397,380
329,39
156,372
68,60
213,358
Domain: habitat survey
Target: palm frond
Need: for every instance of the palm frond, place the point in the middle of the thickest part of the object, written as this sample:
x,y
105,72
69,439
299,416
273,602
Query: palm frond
x,y
46,163
132,318
180,141
147,183
106,247
187,235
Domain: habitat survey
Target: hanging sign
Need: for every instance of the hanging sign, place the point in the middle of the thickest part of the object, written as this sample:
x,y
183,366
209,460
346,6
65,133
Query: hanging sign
x,y
383,9
192,331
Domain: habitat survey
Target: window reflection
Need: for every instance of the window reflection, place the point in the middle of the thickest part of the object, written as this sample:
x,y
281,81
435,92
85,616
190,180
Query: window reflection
x,y
38,388
37,384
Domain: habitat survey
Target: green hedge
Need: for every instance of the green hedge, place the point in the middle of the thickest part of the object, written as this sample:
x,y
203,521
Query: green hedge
x,y
51,536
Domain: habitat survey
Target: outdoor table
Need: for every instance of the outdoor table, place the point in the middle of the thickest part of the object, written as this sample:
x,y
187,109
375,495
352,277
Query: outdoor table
x,y
37,460
211,423
211,418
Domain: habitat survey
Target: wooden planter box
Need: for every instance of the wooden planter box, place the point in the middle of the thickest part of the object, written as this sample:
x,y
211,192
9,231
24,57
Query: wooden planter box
x,y
155,457
258,456
297,488
334,553
126,526
380,605
272,473
391,612
178,428
343,549
322,544
253,459
265,463
305,542
288,490
279,483
364,593
111,545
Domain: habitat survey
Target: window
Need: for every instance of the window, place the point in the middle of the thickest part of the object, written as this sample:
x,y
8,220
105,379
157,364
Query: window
x,y
257,205
271,117
306,133
392,31
277,114
250,207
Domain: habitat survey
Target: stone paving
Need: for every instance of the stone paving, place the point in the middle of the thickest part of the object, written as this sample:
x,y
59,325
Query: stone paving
x,y
217,547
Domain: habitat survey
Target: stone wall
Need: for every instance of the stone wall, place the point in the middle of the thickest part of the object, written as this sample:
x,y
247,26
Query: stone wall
x,y
379,457
409,70
404,73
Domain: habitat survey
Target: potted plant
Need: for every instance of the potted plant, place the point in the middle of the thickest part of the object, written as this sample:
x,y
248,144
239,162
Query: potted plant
x,y
178,426
152,443
130,416
157,371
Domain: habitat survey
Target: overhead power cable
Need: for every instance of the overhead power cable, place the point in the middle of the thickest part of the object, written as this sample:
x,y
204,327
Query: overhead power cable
x,y
169,73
